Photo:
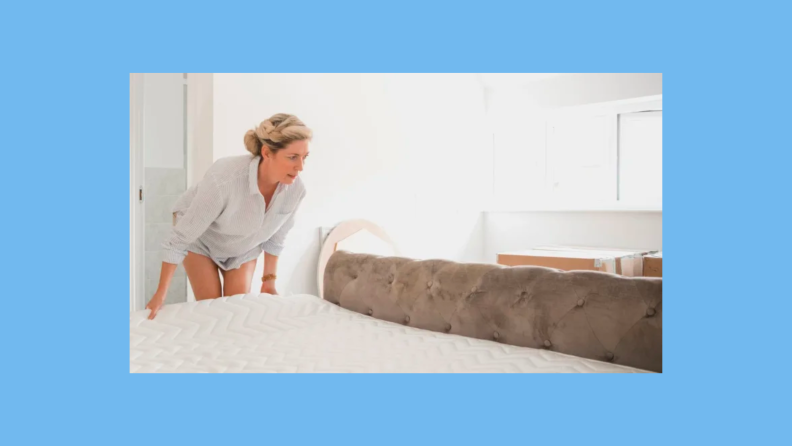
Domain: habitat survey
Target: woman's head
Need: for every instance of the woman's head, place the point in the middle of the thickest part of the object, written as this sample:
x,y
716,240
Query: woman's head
x,y
282,142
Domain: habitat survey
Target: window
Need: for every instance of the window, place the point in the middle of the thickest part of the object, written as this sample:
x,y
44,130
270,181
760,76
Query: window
x,y
640,157
607,155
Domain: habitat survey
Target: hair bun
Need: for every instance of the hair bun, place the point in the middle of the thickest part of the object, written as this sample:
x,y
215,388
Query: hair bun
x,y
276,132
266,130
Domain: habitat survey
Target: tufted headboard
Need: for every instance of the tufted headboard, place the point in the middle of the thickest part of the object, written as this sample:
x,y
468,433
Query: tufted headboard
x,y
589,314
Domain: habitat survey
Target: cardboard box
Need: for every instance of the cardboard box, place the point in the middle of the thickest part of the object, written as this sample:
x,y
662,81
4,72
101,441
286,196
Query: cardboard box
x,y
575,258
629,262
653,265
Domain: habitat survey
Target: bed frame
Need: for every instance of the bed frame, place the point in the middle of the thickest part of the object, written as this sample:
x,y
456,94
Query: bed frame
x,y
588,314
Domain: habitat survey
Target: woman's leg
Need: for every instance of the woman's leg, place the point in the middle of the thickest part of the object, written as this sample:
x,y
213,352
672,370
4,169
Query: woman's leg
x,y
202,272
237,281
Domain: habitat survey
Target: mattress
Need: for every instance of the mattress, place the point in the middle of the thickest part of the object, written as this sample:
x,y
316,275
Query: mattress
x,y
302,333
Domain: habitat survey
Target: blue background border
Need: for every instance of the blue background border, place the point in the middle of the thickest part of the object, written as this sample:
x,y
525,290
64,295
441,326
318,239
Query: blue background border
x,y
64,173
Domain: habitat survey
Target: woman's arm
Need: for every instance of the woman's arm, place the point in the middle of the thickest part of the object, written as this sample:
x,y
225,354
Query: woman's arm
x,y
166,274
270,267
274,246
204,209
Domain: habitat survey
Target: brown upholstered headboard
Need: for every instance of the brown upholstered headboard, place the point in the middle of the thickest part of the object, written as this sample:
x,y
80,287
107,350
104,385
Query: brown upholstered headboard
x,y
583,313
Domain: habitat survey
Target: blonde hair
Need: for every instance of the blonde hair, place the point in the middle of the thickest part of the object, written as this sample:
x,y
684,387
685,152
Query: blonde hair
x,y
276,133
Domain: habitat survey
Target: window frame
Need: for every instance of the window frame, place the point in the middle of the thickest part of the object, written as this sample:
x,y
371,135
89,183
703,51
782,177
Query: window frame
x,y
548,202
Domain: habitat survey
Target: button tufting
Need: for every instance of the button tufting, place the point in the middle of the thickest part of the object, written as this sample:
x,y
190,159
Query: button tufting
x,y
407,320
650,312
473,290
429,284
390,278
370,312
580,302
609,355
547,343
496,335
448,327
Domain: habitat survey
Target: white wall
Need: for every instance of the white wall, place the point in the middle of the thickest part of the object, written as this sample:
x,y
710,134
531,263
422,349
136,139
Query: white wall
x,y
511,231
411,152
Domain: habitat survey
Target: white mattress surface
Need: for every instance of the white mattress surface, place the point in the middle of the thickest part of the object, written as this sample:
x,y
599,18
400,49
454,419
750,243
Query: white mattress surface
x,y
303,333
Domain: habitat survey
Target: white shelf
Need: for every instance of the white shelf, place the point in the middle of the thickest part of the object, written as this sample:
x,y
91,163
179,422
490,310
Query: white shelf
x,y
573,207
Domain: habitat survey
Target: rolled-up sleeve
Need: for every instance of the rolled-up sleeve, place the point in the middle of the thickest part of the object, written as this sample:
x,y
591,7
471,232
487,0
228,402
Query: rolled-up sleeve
x,y
206,206
274,246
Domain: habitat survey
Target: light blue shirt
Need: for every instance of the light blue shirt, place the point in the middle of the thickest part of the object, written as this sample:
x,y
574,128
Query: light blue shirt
x,y
224,218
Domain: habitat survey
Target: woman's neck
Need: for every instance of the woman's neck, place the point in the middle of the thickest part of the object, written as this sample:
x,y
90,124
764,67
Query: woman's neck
x,y
265,184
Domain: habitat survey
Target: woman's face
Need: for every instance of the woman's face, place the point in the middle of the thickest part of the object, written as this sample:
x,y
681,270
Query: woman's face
x,y
287,163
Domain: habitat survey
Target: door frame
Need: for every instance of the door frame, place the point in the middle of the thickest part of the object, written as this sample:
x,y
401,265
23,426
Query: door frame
x,y
136,209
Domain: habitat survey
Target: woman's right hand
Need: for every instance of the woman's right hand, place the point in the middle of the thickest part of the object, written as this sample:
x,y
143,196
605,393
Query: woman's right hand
x,y
155,303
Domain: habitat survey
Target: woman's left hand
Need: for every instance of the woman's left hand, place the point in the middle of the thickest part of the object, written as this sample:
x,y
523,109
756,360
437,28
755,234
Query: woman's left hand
x,y
268,287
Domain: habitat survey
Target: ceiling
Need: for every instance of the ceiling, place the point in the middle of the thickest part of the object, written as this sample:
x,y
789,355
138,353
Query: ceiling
x,y
511,80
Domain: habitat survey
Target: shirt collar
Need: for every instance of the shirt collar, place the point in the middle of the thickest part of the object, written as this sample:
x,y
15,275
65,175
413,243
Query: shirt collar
x,y
253,174
253,177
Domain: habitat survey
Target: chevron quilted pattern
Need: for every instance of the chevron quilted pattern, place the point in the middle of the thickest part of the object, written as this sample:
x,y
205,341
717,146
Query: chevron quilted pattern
x,y
302,333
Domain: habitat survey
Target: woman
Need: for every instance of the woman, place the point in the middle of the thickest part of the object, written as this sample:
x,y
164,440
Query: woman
x,y
244,205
